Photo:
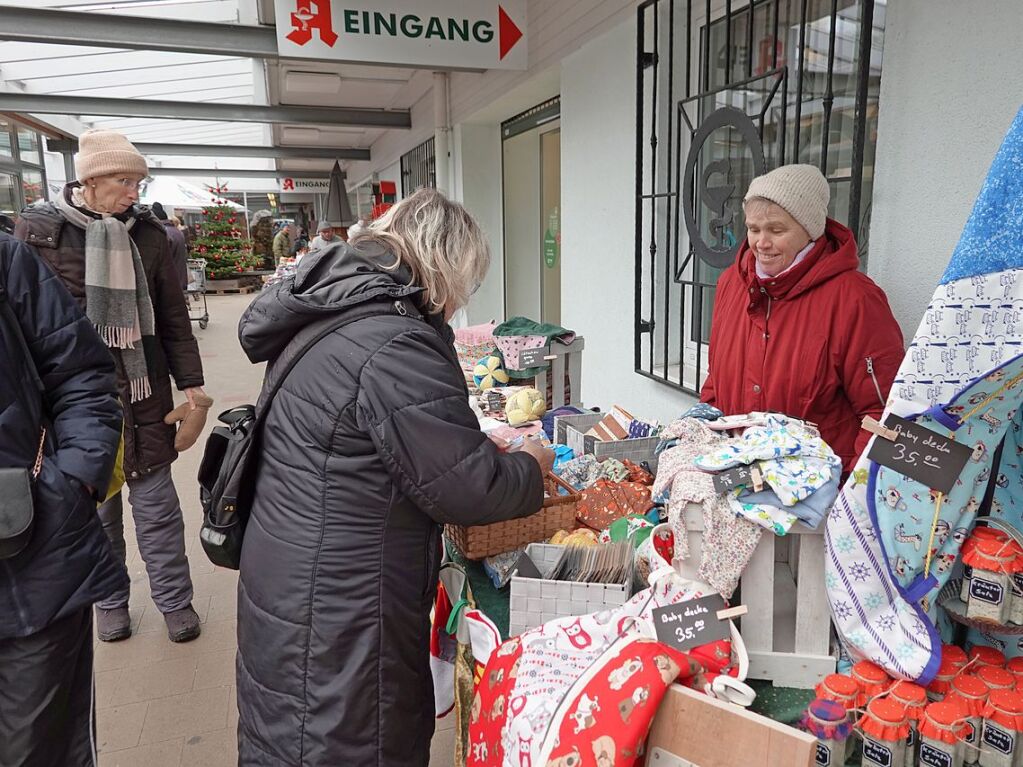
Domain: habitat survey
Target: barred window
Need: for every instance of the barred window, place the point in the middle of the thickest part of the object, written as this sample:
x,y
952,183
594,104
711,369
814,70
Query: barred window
x,y
762,84
418,168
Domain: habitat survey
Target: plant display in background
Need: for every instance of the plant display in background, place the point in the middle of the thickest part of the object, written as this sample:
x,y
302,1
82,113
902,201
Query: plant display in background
x,y
220,239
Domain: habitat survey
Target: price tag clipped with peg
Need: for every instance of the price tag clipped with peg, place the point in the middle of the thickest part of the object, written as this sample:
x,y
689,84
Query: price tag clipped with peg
x,y
697,622
915,451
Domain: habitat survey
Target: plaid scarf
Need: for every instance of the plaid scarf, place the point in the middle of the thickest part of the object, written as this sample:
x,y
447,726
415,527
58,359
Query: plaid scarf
x,y
117,300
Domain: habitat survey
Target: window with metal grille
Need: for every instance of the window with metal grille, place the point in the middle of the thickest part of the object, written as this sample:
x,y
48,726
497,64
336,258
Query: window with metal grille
x,y
418,168
724,92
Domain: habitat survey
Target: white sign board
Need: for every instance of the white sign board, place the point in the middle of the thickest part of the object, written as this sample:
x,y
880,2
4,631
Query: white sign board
x,y
289,184
464,34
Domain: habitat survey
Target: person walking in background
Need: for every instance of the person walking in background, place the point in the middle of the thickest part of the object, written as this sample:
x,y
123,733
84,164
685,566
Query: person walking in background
x,y
176,240
60,421
324,236
369,447
113,257
282,246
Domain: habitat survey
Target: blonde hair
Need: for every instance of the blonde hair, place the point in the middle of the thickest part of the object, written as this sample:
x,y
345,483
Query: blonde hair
x,y
438,241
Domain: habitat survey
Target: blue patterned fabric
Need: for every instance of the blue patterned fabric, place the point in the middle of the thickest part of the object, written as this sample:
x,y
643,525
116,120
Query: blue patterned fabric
x,y
992,240
958,377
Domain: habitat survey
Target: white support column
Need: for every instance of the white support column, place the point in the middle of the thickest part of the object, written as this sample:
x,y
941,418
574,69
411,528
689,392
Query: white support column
x,y
442,131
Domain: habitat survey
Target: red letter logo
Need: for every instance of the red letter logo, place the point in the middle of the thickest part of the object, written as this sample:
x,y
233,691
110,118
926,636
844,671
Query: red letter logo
x,y
305,19
288,185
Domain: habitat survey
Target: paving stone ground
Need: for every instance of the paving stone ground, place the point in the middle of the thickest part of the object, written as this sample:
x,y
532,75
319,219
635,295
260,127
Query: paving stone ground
x,y
165,705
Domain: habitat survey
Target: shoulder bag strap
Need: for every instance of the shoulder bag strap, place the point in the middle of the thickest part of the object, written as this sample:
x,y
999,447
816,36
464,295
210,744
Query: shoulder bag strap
x,y
309,336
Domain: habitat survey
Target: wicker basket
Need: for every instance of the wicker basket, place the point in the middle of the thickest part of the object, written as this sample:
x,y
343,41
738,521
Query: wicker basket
x,y
481,541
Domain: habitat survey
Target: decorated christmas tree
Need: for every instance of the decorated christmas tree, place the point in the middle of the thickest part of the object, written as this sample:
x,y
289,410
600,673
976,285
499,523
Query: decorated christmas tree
x,y
221,241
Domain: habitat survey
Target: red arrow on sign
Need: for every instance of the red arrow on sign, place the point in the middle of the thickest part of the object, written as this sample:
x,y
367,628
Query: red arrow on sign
x,y
508,31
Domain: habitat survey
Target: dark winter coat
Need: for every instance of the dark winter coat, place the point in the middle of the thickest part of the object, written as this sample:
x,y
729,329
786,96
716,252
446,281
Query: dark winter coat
x,y
148,441
178,252
67,564
369,447
819,342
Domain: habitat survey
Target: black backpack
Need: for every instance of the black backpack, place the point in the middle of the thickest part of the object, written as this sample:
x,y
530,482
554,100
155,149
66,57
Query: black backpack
x,y
230,462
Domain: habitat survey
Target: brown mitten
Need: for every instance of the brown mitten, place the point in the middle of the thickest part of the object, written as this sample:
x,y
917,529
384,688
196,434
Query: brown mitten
x,y
191,421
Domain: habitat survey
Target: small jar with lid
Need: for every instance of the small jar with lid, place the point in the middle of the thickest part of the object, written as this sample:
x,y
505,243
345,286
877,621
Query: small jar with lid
x,y
990,597
914,698
885,728
997,678
979,534
840,688
941,735
940,686
1003,723
970,693
956,654
872,679
829,722
1015,667
982,655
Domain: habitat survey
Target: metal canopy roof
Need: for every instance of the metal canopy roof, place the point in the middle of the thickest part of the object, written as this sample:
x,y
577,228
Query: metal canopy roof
x,y
202,72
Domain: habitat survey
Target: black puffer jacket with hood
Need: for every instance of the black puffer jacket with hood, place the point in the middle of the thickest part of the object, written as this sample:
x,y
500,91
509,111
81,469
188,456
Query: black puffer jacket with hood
x,y
369,447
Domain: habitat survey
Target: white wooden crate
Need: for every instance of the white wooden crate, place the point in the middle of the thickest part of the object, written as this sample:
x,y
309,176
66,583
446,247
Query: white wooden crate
x,y
565,367
788,628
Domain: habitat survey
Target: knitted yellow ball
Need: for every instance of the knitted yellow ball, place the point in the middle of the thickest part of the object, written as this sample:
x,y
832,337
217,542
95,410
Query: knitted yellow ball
x,y
525,406
489,373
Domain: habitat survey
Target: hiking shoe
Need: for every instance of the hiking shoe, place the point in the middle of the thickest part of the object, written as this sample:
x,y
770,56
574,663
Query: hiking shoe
x,y
113,625
182,625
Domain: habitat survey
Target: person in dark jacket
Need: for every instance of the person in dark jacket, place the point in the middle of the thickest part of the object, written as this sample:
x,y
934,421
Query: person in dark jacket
x,y
47,590
797,329
176,242
369,447
98,240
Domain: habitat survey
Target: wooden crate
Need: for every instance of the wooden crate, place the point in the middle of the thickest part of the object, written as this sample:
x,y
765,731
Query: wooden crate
x,y
788,628
695,730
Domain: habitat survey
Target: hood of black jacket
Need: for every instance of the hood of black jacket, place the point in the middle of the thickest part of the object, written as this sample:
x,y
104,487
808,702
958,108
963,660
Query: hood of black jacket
x,y
327,282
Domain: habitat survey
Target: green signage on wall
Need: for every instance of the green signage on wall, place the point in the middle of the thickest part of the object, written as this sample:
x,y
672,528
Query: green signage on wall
x,y
550,249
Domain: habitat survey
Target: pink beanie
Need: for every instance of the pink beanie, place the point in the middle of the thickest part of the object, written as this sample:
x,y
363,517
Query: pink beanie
x,y
105,152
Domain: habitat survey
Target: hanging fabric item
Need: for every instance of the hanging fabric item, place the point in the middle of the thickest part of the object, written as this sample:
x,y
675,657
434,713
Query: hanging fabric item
x,y
958,382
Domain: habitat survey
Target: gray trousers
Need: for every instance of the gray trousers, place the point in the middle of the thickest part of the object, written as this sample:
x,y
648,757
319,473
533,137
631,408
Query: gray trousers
x,y
160,530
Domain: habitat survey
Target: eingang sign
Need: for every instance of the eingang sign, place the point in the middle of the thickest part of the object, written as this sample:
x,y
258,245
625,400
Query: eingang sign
x,y
465,34
291,184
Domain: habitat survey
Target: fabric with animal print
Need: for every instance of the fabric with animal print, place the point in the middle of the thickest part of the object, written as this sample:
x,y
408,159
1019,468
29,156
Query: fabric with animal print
x,y
605,720
963,377
529,680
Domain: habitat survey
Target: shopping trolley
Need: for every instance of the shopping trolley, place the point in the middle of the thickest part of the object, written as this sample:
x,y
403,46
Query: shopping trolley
x,y
196,292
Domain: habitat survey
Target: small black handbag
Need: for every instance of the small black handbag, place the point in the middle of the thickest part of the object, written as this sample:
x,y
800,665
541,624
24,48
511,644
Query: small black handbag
x,y
17,510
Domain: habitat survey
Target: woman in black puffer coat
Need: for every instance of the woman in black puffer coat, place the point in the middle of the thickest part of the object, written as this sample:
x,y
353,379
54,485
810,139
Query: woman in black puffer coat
x,y
369,447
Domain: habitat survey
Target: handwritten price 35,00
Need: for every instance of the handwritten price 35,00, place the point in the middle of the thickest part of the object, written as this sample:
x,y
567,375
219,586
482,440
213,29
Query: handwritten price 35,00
x,y
689,632
912,457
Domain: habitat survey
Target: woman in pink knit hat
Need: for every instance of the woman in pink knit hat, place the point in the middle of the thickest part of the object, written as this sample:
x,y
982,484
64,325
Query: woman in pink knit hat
x,y
112,254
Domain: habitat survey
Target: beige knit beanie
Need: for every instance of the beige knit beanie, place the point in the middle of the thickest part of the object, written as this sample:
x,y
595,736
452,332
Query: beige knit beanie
x,y
801,190
104,152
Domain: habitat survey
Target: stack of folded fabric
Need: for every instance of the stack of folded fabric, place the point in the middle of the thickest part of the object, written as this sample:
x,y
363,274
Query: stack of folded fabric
x,y
800,473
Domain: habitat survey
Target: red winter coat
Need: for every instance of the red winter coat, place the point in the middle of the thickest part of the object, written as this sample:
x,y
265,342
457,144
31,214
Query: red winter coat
x,y
817,343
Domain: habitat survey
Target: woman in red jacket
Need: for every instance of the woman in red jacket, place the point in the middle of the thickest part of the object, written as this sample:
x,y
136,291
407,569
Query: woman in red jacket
x,y
797,328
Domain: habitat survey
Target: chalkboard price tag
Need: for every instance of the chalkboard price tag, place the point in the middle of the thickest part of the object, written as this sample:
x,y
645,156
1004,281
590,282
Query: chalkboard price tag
x,y
986,591
931,459
726,481
691,624
534,358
